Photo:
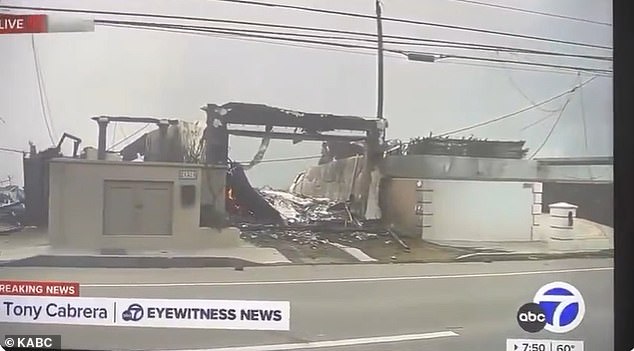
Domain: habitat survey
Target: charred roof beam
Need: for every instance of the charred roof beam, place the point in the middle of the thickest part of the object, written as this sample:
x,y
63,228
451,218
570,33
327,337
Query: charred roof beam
x,y
253,114
295,136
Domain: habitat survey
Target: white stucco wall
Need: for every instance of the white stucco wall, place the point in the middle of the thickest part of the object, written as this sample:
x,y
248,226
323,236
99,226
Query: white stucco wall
x,y
76,206
478,211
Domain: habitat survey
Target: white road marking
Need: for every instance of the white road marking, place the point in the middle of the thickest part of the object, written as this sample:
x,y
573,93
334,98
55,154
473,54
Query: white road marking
x,y
347,280
355,252
334,343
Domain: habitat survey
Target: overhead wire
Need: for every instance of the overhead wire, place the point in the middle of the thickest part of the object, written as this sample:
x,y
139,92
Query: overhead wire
x,y
7,149
532,124
423,23
552,129
523,69
129,136
524,95
288,159
509,115
226,36
541,13
346,45
41,92
293,27
367,37
583,117
351,51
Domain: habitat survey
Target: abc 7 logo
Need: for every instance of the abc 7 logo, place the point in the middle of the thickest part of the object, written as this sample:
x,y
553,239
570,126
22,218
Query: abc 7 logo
x,y
557,307
133,313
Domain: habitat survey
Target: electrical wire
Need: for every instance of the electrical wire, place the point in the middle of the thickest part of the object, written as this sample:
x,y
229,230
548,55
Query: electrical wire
x,y
287,159
548,14
344,45
539,121
487,59
521,92
552,129
129,136
432,24
368,37
351,51
40,90
523,69
244,39
583,118
289,27
525,96
7,149
497,119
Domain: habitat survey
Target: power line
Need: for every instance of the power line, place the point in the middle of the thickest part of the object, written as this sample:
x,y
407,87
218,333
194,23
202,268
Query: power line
x,y
351,51
539,121
552,129
345,45
129,136
6,149
304,28
523,69
369,38
488,59
226,36
40,90
497,119
521,92
583,119
288,159
535,12
432,24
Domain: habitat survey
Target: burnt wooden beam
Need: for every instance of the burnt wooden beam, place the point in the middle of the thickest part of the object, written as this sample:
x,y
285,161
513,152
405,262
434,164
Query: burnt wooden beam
x,y
254,114
136,119
294,136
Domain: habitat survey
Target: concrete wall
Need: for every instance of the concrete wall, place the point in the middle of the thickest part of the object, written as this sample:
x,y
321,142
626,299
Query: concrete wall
x,y
450,210
457,167
76,206
472,168
478,211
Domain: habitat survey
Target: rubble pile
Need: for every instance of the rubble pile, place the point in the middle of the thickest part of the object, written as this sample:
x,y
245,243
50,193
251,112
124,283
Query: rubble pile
x,y
303,210
11,208
313,222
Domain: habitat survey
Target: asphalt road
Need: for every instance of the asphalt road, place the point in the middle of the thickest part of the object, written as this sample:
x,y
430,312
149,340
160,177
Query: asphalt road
x,y
474,305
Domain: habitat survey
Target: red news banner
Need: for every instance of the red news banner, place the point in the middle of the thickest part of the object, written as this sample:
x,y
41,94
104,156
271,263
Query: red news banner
x,y
33,288
12,24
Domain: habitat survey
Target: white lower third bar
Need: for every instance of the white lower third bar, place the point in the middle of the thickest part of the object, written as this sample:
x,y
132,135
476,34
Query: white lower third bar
x,y
543,345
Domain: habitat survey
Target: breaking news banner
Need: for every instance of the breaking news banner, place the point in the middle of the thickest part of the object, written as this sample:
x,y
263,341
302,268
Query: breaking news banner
x,y
35,288
32,342
157,313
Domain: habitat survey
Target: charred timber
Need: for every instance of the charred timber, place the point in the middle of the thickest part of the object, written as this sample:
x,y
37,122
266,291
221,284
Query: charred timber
x,y
255,114
295,136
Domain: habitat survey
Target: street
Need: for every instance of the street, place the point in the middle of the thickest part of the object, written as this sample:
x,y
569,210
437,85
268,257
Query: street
x,y
459,306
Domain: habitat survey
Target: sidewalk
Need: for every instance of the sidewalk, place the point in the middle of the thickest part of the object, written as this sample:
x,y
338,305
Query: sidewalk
x,y
33,242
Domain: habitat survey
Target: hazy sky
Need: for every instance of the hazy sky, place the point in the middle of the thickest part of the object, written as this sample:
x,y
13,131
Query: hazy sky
x,y
121,71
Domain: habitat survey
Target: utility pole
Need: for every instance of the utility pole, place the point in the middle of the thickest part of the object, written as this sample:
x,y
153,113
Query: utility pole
x,y
379,31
